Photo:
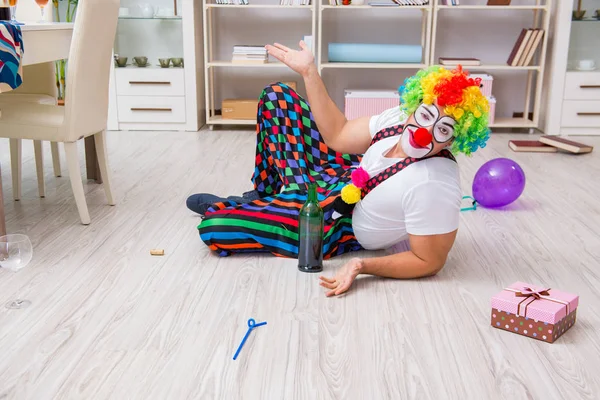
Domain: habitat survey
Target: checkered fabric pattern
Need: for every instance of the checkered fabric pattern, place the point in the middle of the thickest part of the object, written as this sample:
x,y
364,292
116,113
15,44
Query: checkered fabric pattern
x,y
290,150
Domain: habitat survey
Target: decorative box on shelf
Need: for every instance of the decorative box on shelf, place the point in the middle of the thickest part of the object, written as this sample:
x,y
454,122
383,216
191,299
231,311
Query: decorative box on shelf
x,y
486,83
536,312
365,103
239,108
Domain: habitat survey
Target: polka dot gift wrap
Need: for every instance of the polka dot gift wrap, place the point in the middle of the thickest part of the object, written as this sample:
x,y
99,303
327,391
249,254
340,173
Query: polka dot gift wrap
x,y
534,311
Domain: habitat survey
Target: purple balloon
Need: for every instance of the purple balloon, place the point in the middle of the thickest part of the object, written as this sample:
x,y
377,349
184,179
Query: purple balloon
x,y
498,183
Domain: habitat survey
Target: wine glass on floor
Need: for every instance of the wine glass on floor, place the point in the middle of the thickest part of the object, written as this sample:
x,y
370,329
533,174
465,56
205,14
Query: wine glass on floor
x,y
16,251
42,4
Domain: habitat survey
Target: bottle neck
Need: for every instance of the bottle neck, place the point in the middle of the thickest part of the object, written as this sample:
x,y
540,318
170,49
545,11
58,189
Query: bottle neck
x,y
312,192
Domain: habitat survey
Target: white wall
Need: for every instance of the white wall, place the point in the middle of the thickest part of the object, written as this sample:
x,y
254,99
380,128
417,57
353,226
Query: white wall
x,y
488,35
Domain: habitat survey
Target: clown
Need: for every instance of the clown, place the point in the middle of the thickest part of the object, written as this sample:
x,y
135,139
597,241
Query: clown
x,y
388,181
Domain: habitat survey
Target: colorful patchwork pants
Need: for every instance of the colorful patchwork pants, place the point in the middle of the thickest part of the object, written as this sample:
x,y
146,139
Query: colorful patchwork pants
x,y
290,153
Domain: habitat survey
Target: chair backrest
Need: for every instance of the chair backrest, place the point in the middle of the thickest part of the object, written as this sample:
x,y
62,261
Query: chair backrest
x,y
37,79
88,69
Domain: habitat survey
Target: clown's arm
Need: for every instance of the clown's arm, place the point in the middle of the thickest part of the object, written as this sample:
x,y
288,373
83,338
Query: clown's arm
x,y
426,257
345,136
431,214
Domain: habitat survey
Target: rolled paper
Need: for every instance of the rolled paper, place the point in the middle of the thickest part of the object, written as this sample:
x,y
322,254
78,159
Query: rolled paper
x,y
375,53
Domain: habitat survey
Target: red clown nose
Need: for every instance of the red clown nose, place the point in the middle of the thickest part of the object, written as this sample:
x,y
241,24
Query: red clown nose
x,y
422,137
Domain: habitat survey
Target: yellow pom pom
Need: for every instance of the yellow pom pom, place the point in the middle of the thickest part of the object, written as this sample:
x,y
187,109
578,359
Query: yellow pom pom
x,y
351,194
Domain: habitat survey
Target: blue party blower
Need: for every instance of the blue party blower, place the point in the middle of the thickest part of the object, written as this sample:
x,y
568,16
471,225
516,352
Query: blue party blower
x,y
251,325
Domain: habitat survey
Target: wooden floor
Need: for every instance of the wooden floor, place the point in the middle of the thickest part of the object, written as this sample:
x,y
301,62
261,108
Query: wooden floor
x,y
109,321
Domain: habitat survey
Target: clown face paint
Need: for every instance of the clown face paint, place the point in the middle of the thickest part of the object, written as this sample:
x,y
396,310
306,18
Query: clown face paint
x,y
410,146
427,131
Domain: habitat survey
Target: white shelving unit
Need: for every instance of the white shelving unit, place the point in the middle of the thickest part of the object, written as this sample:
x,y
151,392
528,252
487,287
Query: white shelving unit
x,y
429,17
211,64
151,97
533,91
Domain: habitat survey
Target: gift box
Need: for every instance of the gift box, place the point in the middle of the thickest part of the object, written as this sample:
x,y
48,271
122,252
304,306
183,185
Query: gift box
x,y
533,311
487,81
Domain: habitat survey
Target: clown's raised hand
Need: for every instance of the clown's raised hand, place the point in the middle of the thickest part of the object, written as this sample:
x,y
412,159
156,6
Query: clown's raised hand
x,y
301,61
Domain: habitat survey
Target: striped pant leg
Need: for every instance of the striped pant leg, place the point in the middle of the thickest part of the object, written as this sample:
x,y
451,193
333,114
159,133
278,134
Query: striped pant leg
x,y
270,225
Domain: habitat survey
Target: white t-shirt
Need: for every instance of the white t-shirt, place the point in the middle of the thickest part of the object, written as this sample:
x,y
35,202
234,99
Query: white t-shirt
x,y
423,199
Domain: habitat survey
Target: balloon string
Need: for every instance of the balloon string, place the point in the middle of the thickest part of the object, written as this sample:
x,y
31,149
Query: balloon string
x,y
473,206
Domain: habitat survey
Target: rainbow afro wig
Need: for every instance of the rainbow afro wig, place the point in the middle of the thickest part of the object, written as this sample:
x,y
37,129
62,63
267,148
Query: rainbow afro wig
x,y
457,95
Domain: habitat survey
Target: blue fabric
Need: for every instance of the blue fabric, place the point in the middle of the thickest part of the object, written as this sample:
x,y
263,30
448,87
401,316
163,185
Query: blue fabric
x,y
375,53
11,55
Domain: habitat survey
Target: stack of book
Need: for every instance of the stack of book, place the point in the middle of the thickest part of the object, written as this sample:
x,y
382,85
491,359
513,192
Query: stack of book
x,y
379,3
525,46
249,54
294,2
412,2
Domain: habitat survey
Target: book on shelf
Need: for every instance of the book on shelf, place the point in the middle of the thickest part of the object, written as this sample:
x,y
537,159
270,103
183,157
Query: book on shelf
x,y
308,40
451,2
249,49
525,47
294,2
249,54
531,146
390,3
383,4
458,60
534,46
232,2
566,144
498,2
411,2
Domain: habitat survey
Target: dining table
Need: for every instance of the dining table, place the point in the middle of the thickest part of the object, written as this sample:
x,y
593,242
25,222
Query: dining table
x,y
42,42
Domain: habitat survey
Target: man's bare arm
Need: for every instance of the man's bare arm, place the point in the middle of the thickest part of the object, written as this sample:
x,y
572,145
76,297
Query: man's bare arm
x,y
426,257
338,133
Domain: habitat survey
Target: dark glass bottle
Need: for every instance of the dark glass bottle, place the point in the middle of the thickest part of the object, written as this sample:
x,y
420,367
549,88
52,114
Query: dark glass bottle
x,y
310,233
